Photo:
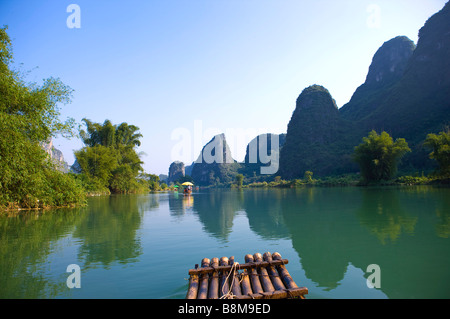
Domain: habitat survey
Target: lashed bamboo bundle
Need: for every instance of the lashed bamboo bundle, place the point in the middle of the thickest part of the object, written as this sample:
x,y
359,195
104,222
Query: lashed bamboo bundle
x,y
204,281
261,277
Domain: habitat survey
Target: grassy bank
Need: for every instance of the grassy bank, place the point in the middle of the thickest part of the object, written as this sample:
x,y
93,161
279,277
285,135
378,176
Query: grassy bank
x,y
344,180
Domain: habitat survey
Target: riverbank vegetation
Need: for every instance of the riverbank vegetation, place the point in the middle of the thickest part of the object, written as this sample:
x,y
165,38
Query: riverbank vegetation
x,y
109,162
29,116
344,180
378,156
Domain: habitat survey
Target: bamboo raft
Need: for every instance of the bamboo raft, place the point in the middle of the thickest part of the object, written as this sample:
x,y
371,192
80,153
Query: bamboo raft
x,y
261,277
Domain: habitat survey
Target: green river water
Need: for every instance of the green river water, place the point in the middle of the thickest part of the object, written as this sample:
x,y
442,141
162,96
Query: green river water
x,y
141,246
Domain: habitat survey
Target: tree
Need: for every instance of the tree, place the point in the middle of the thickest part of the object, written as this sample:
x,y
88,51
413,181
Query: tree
x,y
29,116
152,181
109,159
378,156
97,164
110,135
239,180
440,145
308,176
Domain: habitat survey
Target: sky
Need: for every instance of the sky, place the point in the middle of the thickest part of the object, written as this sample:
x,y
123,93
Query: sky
x,y
185,70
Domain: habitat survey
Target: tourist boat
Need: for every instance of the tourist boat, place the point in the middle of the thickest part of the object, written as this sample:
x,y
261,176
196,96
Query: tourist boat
x,y
188,188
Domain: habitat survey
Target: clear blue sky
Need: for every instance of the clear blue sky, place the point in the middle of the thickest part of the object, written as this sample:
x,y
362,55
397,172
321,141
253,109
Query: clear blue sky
x,y
202,66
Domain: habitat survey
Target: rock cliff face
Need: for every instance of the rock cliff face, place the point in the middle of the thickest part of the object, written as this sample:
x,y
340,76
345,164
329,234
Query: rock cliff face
x,y
389,62
176,170
406,93
214,164
314,136
420,101
387,68
315,116
261,155
56,156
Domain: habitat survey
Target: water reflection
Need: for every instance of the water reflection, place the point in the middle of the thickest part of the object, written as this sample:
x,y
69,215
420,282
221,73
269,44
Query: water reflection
x,y
216,210
328,236
104,233
443,215
334,229
383,215
321,225
26,240
336,233
108,231
180,203
264,213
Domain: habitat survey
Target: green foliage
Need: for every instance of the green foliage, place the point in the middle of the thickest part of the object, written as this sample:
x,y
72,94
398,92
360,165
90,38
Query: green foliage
x,y
109,159
413,180
110,135
97,164
151,180
378,156
34,106
258,184
239,180
29,115
343,180
440,145
308,177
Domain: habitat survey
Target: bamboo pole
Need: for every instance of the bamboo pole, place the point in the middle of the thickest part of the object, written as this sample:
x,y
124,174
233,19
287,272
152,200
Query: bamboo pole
x,y
235,285
265,280
193,287
213,291
246,287
204,278
285,276
255,282
245,283
224,285
273,273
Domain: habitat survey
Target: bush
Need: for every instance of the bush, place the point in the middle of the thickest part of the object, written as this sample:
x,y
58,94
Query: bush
x,y
378,156
440,145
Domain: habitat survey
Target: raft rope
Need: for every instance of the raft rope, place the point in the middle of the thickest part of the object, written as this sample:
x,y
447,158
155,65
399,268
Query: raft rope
x,y
229,294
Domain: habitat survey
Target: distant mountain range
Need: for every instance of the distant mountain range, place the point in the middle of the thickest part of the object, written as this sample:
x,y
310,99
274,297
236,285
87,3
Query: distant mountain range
x,y
406,93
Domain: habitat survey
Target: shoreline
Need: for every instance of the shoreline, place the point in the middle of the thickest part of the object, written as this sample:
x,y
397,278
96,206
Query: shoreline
x,y
398,182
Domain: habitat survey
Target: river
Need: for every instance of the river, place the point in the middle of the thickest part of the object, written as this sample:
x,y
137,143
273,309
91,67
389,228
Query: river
x,y
141,246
